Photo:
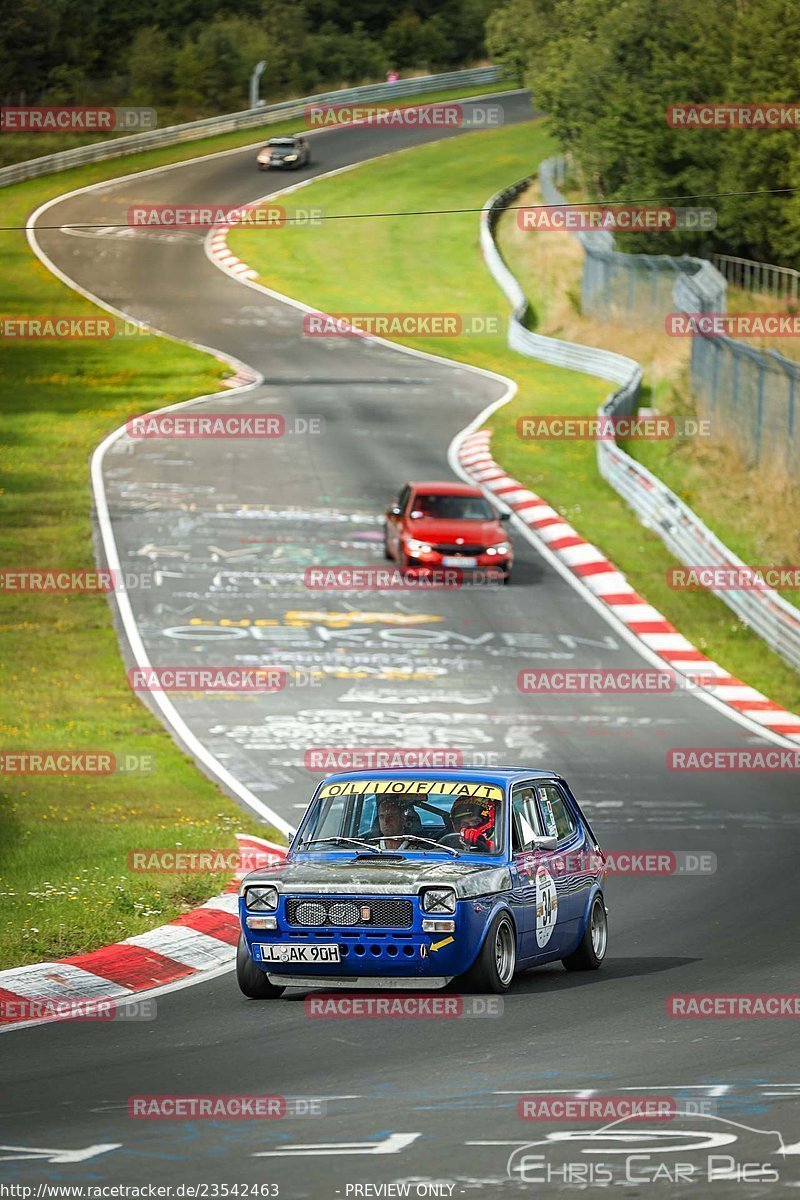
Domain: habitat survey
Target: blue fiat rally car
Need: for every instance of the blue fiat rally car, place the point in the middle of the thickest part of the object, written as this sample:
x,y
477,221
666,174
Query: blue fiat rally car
x,y
410,879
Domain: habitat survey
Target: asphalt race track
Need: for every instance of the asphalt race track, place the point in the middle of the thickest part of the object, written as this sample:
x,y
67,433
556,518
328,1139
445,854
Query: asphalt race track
x,y
230,527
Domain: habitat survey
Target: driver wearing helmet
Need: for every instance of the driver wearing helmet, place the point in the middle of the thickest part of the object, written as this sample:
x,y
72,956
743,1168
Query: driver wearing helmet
x,y
473,821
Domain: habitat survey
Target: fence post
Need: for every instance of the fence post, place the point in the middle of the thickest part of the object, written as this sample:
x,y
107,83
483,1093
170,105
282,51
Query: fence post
x,y
791,419
762,370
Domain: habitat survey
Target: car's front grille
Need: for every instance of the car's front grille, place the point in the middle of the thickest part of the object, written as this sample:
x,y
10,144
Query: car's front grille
x,y
347,912
469,551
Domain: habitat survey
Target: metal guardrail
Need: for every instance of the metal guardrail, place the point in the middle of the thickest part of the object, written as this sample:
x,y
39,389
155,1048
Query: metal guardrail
x,y
780,282
603,363
248,119
659,509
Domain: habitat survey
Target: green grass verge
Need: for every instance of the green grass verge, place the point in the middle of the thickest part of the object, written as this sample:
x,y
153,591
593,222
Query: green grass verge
x,y
434,264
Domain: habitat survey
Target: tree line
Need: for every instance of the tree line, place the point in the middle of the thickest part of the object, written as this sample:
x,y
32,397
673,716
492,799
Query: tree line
x,y
192,58
606,72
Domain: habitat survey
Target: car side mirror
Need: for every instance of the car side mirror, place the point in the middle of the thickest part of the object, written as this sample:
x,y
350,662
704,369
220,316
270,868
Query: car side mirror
x,y
505,516
545,843
396,510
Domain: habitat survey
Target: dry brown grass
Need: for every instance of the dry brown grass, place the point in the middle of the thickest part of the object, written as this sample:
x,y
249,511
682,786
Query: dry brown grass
x,y
550,266
746,505
740,301
750,507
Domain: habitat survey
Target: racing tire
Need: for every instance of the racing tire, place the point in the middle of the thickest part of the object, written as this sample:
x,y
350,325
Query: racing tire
x,y
507,579
387,554
592,948
494,968
252,981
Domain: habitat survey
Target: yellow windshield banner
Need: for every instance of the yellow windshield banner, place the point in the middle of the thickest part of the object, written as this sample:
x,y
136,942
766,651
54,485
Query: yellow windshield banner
x,y
414,787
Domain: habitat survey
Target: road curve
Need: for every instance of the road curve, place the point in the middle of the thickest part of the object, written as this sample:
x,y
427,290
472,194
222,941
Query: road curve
x,y
231,527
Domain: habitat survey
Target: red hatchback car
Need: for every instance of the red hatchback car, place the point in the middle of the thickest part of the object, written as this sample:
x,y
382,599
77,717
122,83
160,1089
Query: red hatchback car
x,y
448,525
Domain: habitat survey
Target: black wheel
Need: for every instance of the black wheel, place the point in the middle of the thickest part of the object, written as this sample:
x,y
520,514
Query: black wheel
x,y
507,578
386,551
592,949
252,980
494,968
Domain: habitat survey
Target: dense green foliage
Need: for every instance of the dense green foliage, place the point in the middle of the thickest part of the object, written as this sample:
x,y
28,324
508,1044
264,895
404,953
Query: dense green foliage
x,y
193,57
607,70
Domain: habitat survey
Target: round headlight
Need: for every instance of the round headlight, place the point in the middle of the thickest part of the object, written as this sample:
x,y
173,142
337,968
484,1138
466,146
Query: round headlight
x,y
261,898
311,913
344,914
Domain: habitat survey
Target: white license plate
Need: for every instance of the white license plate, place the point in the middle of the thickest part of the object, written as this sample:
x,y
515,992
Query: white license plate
x,y
459,562
322,953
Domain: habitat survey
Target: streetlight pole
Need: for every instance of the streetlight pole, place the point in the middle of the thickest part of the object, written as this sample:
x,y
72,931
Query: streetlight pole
x,y
255,80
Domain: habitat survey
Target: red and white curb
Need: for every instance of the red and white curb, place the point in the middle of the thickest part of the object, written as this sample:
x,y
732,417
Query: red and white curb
x,y
243,378
610,586
220,251
221,254
197,942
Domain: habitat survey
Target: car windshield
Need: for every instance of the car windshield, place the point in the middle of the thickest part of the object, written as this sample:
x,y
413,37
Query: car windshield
x,y
452,508
415,815
283,143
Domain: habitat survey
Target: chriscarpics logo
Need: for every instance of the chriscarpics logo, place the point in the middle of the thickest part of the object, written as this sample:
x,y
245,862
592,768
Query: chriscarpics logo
x,y
689,1148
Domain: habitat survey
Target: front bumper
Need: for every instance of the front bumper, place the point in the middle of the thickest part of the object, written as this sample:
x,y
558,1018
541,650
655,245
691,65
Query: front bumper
x,y
423,983
488,564
374,954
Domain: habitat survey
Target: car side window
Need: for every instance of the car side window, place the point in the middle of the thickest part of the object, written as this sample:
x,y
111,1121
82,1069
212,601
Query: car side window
x,y
525,822
402,499
557,819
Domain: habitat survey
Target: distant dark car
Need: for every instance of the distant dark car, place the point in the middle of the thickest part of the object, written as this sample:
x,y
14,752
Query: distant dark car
x,y
289,152
447,525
